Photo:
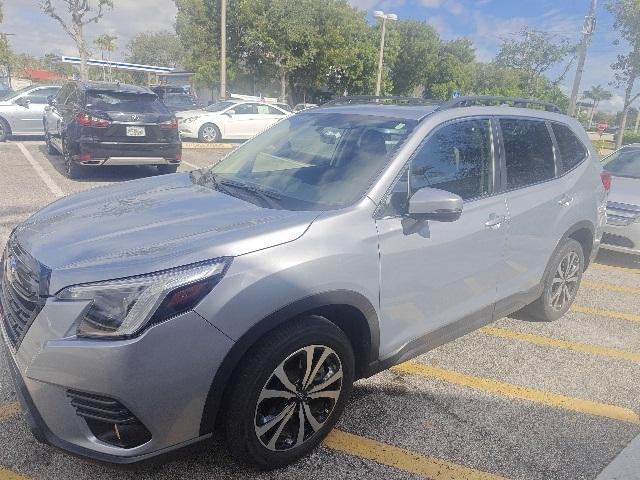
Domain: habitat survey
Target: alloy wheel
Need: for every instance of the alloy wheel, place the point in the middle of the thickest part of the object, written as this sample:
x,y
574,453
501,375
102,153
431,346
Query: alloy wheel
x,y
565,282
298,398
209,134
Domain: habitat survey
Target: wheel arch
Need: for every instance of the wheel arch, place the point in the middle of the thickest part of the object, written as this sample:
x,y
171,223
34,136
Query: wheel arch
x,y
7,123
350,311
584,233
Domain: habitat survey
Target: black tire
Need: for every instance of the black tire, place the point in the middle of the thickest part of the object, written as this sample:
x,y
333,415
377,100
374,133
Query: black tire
x,y
209,133
71,169
554,301
167,169
5,130
51,150
244,414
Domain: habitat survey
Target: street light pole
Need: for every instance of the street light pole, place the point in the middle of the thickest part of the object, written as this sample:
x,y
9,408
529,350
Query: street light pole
x,y
223,49
384,17
587,31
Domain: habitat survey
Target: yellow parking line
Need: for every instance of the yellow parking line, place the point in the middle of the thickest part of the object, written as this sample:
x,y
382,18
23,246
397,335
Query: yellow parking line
x,y
553,342
402,459
609,286
6,474
631,317
207,146
523,393
9,410
602,266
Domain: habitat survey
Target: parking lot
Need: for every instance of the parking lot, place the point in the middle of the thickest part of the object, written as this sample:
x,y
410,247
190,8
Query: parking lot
x,y
516,399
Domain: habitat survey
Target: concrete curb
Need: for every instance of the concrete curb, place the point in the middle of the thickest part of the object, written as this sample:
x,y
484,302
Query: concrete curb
x,y
208,146
626,466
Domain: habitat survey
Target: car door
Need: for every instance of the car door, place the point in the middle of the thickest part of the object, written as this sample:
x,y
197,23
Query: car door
x,y
244,122
31,110
439,278
536,199
267,116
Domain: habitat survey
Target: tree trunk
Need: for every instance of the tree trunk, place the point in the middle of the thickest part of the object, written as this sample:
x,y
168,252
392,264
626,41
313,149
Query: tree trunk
x,y
283,86
637,122
591,114
84,74
625,112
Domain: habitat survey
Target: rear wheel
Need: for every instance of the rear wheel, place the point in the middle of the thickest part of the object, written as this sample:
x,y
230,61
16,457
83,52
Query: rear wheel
x,y
71,168
560,285
167,169
288,393
4,130
209,133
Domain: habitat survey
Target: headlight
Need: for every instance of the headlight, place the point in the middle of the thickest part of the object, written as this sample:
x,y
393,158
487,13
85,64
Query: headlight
x,y
189,120
121,308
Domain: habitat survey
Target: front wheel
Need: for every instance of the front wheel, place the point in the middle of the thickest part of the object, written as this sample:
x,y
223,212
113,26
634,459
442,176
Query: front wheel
x,y
51,149
4,130
561,283
288,393
209,133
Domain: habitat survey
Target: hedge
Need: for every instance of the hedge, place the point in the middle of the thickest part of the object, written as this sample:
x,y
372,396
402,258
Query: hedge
x,y
631,137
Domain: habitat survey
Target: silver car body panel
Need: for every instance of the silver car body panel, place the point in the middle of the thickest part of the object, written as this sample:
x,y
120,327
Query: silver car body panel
x,y
623,212
24,120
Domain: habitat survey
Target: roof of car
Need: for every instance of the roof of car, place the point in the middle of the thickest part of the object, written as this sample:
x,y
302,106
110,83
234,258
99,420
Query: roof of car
x,y
115,87
408,112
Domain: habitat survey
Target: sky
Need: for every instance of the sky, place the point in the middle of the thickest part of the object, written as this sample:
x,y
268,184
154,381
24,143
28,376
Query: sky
x,y
486,22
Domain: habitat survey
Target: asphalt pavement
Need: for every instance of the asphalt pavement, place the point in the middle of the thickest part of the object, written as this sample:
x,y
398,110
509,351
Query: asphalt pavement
x,y
516,399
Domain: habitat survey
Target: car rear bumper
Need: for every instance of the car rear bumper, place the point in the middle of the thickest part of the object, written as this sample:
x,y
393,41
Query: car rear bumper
x,y
117,153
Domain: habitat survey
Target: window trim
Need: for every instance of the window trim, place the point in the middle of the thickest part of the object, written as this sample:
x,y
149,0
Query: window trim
x,y
503,162
564,169
495,151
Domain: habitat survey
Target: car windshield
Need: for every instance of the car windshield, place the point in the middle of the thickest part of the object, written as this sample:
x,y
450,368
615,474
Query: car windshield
x,y
320,161
107,101
624,163
11,94
218,107
178,100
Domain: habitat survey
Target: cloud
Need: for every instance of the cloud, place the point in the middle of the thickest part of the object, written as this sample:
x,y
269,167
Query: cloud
x,y
452,6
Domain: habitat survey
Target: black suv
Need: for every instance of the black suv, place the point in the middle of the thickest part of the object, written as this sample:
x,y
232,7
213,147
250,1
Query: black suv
x,y
94,124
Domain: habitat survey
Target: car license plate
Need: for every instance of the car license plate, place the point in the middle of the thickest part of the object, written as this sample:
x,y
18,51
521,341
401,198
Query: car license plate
x,y
135,132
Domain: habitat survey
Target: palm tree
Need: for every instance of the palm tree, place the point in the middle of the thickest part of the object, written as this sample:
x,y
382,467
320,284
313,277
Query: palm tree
x,y
596,93
106,43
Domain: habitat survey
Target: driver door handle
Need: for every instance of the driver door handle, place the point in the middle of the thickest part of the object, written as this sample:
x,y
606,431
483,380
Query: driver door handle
x,y
565,200
495,221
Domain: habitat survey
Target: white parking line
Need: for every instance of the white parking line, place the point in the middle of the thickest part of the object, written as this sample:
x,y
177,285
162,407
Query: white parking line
x,y
195,167
46,178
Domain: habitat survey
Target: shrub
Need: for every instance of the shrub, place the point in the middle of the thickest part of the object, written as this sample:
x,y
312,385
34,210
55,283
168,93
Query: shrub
x,y
631,137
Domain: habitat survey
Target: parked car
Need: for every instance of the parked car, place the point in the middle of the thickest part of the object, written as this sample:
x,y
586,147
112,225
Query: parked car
x,y
21,112
284,106
303,106
230,119
622,233
179,102
251,294
93,124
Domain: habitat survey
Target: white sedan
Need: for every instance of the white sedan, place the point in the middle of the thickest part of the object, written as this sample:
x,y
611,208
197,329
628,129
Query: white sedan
x,y
230,119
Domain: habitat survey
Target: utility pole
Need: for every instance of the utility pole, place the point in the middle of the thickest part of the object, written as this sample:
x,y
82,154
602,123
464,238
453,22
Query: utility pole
x,y
587,30
384,17
223,49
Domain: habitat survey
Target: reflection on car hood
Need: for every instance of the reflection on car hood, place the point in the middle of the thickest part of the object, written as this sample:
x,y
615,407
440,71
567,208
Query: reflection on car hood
x,y
192,113
149,225
625,190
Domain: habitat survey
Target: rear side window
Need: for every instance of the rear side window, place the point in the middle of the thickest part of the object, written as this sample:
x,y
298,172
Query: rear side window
x,y
529,152
572,150
125,102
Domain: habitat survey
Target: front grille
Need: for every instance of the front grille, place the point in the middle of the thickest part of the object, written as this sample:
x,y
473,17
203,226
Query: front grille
x,y
20,300
622,214
617,240
109,420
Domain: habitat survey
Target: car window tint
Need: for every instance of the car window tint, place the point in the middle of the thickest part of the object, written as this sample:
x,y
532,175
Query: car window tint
x,y
40,96
63,94
528,151
125,102
245,109
456,158
572,150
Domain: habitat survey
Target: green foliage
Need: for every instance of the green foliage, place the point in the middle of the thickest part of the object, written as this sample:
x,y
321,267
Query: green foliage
x,y
631,137
452,70
162,48
198,27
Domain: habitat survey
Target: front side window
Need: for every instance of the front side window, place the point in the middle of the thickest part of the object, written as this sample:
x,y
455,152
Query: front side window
x,y
624,163
528,152
317,161
572,150
457,158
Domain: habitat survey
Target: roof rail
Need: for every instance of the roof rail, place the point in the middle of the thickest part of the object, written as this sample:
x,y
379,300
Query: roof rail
x,y
472,100
383,100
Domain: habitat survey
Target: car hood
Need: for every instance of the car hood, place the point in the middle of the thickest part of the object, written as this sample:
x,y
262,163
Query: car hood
x,y
625,190
149,225
193,113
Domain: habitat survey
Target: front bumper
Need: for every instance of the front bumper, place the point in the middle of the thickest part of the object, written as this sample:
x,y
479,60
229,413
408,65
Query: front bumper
x,y
624,239
163,377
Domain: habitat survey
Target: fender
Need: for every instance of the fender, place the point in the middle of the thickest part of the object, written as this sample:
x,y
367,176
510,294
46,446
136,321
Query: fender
x,y
284,314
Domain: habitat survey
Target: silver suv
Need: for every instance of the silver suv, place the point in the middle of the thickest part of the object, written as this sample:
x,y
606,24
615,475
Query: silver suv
x,y
249,296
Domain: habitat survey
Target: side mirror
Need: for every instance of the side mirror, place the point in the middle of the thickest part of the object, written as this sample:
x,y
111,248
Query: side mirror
x,y
23,102
231,113
434,204
51,100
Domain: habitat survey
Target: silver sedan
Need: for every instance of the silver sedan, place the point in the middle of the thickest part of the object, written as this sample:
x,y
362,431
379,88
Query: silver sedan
x,y
21,112
622,233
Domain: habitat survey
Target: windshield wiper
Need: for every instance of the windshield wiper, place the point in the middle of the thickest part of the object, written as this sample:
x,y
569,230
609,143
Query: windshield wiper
x,y
264,194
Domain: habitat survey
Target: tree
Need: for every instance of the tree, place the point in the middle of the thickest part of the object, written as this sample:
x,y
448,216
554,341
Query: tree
x,y
452,70
5,51
81,13
627,21
596,94
162,48
106,43
534,53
